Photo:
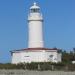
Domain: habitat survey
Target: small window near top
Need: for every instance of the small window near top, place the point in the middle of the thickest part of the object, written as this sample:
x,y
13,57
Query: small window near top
x,y
26,56
34,10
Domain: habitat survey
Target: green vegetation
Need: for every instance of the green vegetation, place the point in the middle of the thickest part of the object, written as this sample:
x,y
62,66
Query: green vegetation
x,y
68,57
40,66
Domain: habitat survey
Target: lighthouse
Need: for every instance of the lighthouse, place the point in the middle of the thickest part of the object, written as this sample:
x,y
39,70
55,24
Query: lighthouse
x,y
35,51
35,24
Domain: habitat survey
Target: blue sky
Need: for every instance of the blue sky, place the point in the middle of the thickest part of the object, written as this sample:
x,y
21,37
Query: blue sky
x,y
59,25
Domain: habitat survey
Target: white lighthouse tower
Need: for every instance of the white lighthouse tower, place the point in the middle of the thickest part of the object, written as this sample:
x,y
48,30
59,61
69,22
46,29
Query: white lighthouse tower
x,y
35,51
35,21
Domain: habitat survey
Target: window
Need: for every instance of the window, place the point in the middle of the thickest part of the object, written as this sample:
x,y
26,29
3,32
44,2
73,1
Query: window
x,y
51,56
26,56
34,10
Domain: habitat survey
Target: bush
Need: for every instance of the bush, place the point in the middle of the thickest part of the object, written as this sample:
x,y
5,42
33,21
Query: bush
x,y
40,66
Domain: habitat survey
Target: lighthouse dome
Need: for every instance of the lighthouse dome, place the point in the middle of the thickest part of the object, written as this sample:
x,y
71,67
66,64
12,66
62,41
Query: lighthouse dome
x,y
34,6
35,13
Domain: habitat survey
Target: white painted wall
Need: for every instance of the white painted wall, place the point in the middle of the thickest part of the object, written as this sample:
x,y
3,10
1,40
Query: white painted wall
x,y
16,57
33,56
35,35
28,56
35,30
59,57
36,56
51,56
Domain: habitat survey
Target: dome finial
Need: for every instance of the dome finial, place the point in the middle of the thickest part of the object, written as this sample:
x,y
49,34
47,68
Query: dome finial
x,y
34,6
34,3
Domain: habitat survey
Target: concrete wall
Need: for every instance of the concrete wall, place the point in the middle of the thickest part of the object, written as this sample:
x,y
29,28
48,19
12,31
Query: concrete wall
x,y
16,57
51,56
35,31
36,56
59,57
28,56
33,56
23,72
